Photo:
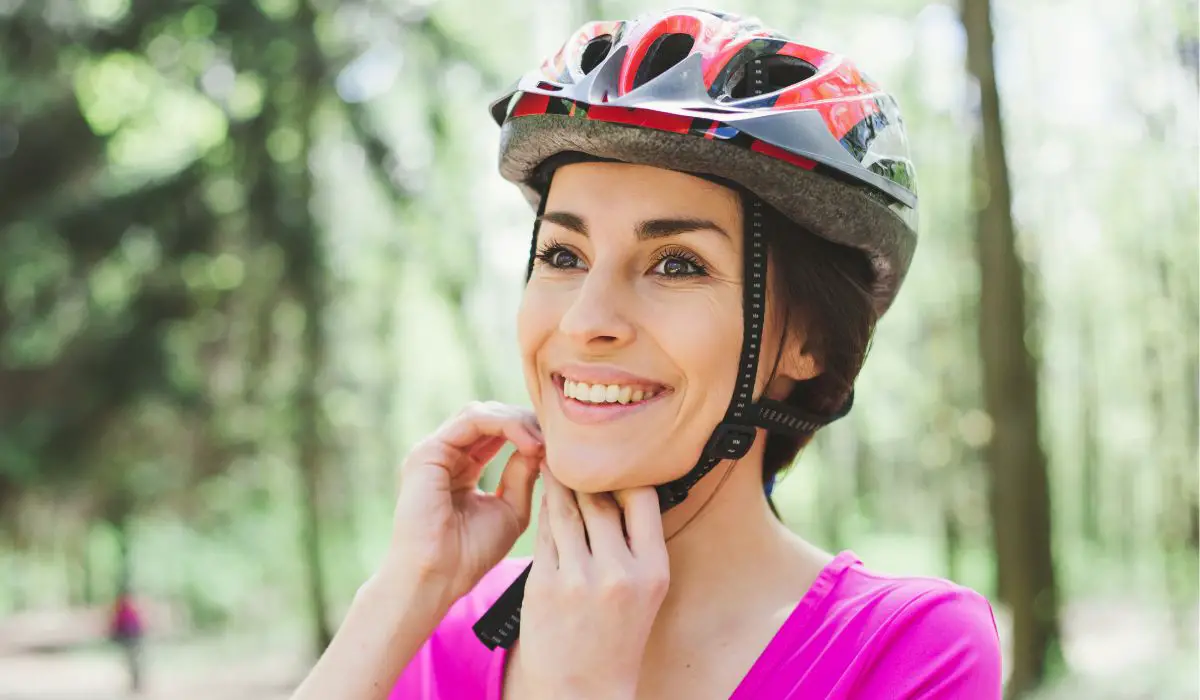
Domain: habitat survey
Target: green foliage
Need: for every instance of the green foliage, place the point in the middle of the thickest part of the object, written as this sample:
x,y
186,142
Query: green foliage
x,y
195,185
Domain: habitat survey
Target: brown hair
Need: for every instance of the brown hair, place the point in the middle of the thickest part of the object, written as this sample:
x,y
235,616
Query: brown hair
x,y
824,289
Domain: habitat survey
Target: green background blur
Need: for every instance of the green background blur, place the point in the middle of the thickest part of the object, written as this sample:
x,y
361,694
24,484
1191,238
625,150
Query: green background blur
x,y
252,250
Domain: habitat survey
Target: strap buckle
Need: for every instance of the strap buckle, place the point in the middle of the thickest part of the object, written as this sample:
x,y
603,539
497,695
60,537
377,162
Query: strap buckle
x,y
730,441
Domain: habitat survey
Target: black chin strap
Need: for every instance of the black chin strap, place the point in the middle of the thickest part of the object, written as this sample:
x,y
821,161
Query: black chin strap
x,y
501,624
735,434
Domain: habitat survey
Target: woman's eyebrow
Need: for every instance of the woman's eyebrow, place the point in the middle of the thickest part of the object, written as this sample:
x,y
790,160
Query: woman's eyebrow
x,y
659,228
567,220
646,230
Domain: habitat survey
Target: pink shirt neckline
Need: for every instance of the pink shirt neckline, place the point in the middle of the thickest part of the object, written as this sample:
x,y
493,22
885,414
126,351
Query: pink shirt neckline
x,y
766,662
781,644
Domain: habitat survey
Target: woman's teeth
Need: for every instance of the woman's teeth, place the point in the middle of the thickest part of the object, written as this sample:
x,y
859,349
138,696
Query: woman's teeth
x,y
605,393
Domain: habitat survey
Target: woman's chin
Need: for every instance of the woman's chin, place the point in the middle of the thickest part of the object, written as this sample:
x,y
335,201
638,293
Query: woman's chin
x,y
600,470
587,474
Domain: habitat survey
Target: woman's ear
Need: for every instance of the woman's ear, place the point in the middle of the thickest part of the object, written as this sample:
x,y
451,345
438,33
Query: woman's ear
x,y
800,364
796,365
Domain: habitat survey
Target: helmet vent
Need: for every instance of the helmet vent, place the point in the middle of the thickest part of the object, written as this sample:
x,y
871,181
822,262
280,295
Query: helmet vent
x,y
665,52
781,71
595,52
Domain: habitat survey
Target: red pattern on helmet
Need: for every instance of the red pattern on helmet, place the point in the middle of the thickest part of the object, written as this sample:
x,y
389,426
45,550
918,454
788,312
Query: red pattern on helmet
x,y
677,23
565,62
776,152
640,117
531,104
840,93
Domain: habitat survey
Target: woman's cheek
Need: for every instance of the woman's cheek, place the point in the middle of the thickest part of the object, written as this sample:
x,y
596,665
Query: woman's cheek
x,y
534,328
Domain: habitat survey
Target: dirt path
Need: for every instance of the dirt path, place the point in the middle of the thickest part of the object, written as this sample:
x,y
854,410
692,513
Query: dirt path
x,y
1116,650
229,669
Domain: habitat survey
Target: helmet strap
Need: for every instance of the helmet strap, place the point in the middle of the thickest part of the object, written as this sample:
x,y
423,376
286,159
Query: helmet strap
x,y
735,433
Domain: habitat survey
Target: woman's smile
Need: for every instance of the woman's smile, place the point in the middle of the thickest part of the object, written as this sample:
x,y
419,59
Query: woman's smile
x,y
589,396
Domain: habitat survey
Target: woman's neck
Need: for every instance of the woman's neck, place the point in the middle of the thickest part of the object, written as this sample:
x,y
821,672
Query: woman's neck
x,y
726,545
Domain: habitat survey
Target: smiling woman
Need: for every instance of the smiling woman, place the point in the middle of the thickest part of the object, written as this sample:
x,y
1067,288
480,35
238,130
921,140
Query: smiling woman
x,y
722,216
819,312
636,282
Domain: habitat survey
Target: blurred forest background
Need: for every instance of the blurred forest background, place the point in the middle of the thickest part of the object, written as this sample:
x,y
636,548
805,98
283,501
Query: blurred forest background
x,y
251,250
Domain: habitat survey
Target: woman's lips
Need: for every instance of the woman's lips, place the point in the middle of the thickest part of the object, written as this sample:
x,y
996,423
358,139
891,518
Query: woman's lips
x,y
595,413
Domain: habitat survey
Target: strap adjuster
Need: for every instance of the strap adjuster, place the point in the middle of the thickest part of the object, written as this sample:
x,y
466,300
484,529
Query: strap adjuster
x,y
669,496
730,441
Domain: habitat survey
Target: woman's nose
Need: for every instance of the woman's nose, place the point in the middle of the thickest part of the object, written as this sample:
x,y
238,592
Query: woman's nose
x,y
599,311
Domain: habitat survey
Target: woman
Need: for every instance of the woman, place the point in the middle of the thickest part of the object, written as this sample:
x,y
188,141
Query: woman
x,y
695,175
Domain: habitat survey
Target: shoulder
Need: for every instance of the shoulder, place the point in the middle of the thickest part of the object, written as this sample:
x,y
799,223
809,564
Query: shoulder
x,y
926,637
453,663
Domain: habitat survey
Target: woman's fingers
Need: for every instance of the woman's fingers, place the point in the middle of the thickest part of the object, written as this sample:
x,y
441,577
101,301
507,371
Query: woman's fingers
x,y
566,523
643,523
484,450
588,620
480,421
516,485
463,445
602,519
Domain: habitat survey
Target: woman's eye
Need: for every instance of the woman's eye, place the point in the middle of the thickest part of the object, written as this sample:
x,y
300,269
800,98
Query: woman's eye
x,y
559,258
563,258
678,267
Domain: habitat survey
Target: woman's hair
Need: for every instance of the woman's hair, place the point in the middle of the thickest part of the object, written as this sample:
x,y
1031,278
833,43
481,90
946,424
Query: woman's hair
x,y
824,292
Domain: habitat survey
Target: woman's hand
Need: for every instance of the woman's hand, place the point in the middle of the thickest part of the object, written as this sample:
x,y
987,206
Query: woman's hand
x,y
446,532
593,593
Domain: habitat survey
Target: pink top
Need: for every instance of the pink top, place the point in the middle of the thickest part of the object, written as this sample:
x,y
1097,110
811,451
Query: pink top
x,y
854,634
125,621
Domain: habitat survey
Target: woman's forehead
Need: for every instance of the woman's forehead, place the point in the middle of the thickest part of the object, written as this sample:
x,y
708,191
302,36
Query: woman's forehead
x,y
640,192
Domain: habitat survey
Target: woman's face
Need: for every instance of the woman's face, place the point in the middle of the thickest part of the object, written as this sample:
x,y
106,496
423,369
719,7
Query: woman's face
x,y
631,324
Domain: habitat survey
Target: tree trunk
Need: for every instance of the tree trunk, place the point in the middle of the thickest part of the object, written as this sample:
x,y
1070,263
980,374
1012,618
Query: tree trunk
x,y
1175,424
17,588
78,569
865,473
1192,497
388,392
310,458
951,539
87,570
1018,479
829,489
1089,436
308,280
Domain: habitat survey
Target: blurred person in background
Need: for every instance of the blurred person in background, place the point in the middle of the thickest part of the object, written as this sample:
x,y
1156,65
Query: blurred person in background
x,y
125,628
723,214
